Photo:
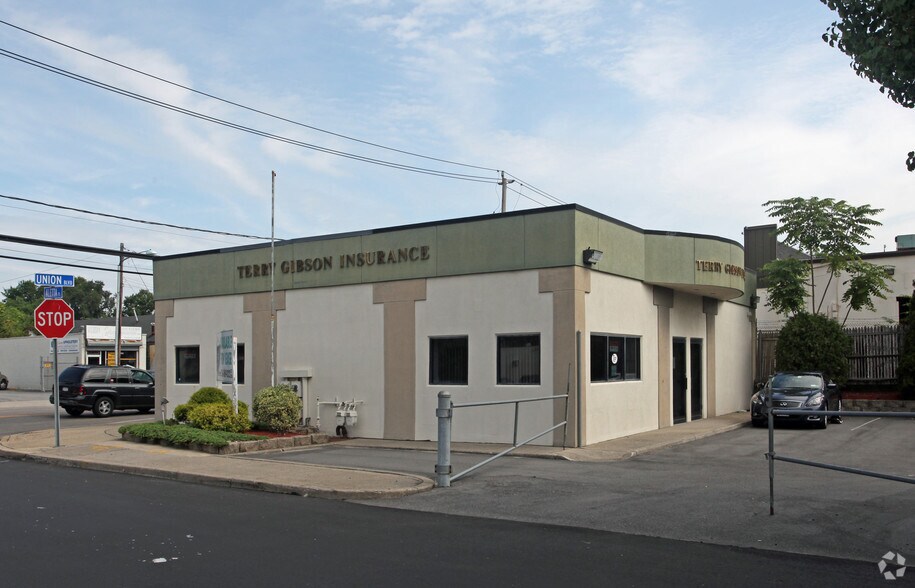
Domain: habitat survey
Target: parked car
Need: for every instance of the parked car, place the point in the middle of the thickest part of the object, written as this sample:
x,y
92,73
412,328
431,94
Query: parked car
x,y
4,383
103,390
808,391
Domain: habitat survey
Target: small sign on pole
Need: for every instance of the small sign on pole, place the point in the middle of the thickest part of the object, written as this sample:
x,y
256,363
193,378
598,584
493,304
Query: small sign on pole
x,y
54,280
227,368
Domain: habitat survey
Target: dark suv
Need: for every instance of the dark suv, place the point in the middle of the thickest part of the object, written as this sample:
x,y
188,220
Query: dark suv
x,y
104,389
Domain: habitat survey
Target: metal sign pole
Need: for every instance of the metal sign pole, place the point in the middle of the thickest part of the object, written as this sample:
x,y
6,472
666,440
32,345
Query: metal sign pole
x,y
56,397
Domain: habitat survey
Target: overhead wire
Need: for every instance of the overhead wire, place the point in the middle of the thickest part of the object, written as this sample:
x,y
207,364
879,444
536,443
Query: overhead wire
x,y
61,264
133,220
267,135
242,106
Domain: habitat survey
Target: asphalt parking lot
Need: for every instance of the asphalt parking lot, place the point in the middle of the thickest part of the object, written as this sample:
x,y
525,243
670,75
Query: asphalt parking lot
x,y
714,490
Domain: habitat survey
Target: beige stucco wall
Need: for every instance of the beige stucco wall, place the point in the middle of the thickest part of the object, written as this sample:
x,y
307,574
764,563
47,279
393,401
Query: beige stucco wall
x,y
621,306
481,307
734,358
198,322
339,333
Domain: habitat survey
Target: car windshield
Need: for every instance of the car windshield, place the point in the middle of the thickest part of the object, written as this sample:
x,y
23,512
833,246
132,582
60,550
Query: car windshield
x,y
803,381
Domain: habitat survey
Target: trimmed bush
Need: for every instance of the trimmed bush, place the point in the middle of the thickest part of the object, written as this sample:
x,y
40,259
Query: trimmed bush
x,y
813,342
184,435
277,408
206,395
209,394
215,416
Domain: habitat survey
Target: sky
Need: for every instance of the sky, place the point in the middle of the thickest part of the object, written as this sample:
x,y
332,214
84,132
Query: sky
x,y
668,115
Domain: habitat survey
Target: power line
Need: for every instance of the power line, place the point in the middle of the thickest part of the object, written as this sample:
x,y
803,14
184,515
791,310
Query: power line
x,y
89,267
133,220
239,127
242,106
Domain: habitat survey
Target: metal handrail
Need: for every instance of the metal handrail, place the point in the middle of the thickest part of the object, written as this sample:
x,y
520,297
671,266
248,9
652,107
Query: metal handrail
x,y
772,457
444,413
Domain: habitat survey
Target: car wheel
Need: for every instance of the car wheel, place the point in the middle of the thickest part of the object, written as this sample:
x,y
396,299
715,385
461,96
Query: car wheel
x,y
3,384
74,412
824,422
103,407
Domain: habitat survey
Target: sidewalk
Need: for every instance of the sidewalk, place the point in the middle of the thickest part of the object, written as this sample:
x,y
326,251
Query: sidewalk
x,y
100,447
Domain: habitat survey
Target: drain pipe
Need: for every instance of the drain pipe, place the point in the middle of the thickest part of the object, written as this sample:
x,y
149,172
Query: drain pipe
x,y
578,388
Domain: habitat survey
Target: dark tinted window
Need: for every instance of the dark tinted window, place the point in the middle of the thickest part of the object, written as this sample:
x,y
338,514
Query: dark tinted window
x,y
448,360
96,375
518,359
142,377
121,376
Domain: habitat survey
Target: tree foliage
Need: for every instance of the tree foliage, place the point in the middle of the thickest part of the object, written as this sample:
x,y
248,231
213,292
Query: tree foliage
x,y
89,299
906,369
829,230
24,297
787,280
813,342
13,322
141,303
878,35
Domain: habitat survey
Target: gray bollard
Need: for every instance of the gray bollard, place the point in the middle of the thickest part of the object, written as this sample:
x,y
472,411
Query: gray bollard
x,y
443,465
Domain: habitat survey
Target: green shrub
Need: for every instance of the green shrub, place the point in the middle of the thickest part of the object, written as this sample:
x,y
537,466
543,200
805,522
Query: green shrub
x,y
277,408
813,342
218,417
209,394
206,395
184,434
180,412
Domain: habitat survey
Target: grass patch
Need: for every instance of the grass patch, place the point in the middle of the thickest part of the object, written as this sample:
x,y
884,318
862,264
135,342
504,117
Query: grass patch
x,y
184,434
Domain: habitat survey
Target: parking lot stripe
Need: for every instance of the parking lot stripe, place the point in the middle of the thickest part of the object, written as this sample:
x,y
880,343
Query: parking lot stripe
x,y
867,423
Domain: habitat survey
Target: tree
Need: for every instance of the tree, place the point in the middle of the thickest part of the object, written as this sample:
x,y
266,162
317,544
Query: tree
x,y
24,297
829,230
141,303
878,35
89,299
13,322
906,369
813,342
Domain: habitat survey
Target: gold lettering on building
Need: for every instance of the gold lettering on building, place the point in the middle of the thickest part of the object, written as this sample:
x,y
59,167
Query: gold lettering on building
x,y
718,267
346,260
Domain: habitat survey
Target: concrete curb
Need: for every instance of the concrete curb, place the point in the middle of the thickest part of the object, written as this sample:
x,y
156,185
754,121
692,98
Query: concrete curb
x,y
237,481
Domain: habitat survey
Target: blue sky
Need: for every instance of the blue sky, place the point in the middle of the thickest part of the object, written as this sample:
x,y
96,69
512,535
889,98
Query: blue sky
x,y
671,115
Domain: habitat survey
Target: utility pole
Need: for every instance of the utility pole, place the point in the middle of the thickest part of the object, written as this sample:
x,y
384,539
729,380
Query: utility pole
x,y
118,310
504,183
272,282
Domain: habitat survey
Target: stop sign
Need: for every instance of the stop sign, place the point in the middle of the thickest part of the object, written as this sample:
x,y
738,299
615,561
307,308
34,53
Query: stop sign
x,y
54,318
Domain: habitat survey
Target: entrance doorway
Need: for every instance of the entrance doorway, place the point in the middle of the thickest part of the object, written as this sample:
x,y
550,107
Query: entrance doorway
x,y
679,379
695,377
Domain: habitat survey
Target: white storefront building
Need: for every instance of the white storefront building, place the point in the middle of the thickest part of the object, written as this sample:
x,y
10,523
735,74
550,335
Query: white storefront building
x,y
659,330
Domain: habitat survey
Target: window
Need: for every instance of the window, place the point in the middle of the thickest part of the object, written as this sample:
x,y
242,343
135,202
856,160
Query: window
x,y
241,363
615,358
518,359
141,377
187,365
448,360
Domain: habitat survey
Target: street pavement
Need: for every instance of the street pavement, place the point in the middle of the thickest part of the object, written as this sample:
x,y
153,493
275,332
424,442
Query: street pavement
x,y
100,447
689,482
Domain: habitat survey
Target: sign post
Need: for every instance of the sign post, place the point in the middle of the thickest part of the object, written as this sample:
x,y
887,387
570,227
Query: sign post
x,y
54,319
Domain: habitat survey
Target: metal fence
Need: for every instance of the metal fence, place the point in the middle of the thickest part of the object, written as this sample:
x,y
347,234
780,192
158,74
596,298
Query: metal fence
x,y
873,360
772,457
445,412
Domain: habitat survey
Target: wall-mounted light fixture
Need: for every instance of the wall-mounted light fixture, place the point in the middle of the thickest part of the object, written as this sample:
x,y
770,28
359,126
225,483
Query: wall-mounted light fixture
x,y
890,269
591,256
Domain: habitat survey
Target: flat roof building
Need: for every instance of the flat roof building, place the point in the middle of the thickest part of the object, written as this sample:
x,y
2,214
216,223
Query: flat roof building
x,y
643,329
